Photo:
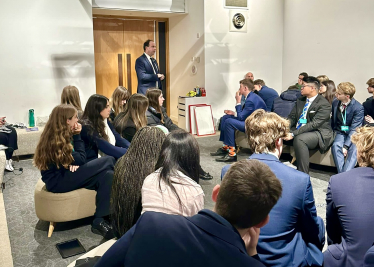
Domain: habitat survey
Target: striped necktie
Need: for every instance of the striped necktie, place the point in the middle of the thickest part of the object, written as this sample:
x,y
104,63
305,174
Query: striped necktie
x,y
303,114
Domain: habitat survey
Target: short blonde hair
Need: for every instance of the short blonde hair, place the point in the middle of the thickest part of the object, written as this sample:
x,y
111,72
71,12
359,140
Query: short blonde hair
x,y
322,78
263,129
364,141
346,88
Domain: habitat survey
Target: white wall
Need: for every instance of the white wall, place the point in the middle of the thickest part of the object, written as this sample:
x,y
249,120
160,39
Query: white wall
x,y
229,55
183,45
333,37
45,46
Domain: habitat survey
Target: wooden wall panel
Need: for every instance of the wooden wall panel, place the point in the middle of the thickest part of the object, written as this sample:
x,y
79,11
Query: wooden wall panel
x,y
108,43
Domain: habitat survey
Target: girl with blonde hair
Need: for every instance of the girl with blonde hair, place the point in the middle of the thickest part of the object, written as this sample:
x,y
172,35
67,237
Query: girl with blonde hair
x,y
61,158
128,122
70,95
118,101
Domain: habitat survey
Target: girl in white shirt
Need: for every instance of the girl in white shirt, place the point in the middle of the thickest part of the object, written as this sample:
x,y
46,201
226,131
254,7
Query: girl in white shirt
x,y
174,187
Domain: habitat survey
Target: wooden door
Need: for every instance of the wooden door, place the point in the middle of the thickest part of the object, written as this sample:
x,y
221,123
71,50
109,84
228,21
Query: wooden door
x,y
108,43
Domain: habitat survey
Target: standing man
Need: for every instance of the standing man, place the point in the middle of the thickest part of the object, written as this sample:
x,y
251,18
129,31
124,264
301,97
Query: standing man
x,y
266,93
235,121
347,116
147,70
310,124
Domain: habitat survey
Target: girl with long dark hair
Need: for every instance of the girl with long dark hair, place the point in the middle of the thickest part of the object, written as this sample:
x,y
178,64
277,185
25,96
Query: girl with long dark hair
x,y
156,115
98,134
329,92
61,158
133,117
129,174
174,187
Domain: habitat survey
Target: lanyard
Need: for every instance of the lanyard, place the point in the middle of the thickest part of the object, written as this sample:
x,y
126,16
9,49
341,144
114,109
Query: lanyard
x,y
345,116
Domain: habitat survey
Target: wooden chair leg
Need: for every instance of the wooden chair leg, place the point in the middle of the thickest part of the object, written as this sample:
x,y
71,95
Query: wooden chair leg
x,y
293,160
51,228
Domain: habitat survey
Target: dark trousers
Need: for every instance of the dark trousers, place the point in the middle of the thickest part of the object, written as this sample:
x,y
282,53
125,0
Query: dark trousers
x,y
229,124
9,140
95,175
302,143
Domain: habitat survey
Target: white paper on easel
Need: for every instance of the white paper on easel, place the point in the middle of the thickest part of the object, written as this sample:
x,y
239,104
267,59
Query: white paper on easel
x,y
204,120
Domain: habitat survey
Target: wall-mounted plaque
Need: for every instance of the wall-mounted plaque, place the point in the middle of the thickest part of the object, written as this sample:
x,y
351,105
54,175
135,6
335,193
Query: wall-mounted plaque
x,y
243,4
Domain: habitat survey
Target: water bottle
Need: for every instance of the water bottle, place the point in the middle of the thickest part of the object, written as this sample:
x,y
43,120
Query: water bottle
x,y
31,118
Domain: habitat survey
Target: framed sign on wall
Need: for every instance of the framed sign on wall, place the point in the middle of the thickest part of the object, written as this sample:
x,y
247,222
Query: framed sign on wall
x,y
243,4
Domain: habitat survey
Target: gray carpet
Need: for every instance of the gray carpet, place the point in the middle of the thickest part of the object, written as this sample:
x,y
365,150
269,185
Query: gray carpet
x,y
28,236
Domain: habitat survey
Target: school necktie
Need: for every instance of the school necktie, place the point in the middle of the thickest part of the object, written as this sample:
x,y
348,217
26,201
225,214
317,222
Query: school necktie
x,y
154,63
343,107
303,114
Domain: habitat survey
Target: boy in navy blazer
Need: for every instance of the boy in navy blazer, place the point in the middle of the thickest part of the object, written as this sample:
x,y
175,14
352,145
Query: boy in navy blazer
x,y
147,70
226,236
230,122
295,235
347,116
266,93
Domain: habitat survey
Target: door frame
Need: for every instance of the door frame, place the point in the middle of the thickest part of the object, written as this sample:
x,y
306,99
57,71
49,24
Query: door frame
x,y
157,19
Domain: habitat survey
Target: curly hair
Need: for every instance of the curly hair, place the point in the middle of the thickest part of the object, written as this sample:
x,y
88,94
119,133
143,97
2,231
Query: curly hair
x,y
364,141
119,94
129,174
263,129
55,142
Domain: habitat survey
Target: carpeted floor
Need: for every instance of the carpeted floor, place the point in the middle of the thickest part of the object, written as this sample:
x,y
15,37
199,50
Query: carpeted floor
x,y
28,236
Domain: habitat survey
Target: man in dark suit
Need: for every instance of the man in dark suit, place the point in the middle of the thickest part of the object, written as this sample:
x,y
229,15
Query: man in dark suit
x,y
347,116
310,124
266,93
349,210
226,236
295,235
147,70
230,122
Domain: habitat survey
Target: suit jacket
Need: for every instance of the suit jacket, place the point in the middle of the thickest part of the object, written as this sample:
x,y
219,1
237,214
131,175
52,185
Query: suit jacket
x,y
94,142
146,76
318,119
252,103
203,240
291,238
350,217
268,95
369,258
354,117
368,108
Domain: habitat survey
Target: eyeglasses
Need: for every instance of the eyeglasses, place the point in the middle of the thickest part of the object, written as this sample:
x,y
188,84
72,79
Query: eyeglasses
x,y
306,85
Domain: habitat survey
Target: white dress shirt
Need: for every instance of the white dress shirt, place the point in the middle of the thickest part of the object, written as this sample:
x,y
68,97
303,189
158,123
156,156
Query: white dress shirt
x,y
150,61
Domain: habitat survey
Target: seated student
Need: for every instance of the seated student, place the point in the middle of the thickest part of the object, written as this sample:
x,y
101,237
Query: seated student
x,y
266,93
98,133
347,116
349,211
310,124
67,170
70,95
300,79
284,104
322,78
8,138
133,117
118,101
369,258
156,115
248,75
226,236
230,122
295,235
174,187
369,103
328,90
129,174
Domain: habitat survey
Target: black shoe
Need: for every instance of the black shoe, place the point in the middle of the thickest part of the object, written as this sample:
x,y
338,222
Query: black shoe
x,y
219,152
205,176
228,158
104,229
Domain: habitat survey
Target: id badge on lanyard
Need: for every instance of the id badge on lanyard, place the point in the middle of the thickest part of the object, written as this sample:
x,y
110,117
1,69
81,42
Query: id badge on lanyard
x,y
344,128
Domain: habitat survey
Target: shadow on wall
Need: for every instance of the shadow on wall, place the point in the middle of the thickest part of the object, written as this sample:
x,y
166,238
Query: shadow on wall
x,y
70,68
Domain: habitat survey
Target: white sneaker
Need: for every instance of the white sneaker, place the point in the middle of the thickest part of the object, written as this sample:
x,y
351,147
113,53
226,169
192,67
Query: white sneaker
x,y
11,162
8,166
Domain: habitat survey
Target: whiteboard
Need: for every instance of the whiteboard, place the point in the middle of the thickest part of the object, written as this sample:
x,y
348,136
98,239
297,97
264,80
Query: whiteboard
x,y
204,120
